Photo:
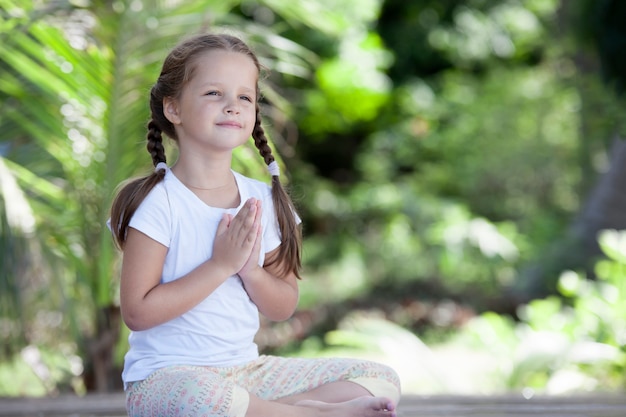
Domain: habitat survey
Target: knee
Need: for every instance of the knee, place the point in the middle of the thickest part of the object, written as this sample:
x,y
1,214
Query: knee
x,y
390,386
182,391
380,380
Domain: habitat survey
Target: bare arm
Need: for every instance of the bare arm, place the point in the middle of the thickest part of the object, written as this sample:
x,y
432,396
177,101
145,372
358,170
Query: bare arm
x,y
276,296
274,292
146,302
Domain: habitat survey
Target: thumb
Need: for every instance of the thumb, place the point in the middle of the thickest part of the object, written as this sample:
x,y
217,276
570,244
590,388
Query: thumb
x,y
224,223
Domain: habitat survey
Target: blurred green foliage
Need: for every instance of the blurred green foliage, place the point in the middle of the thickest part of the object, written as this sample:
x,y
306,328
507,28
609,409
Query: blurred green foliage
x,y
470,168
570,342
574,342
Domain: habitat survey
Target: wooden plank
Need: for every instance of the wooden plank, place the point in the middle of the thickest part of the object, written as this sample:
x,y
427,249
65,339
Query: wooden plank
x,y
112,405
613,405
593,405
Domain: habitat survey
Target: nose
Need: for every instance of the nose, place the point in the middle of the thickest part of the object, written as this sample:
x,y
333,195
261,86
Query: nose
x,y
232,106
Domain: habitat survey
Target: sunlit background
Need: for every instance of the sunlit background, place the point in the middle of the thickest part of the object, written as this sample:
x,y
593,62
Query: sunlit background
x,y
458,165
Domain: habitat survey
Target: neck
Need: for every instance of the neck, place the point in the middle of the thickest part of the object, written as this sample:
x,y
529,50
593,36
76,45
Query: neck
x,y
200,172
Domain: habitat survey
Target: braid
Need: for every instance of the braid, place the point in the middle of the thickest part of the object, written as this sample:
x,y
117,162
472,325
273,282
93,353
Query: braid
x,y
289,252
260,141
155,143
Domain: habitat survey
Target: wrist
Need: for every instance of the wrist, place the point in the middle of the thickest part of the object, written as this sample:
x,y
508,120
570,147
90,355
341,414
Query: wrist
x,y
219,268
251,274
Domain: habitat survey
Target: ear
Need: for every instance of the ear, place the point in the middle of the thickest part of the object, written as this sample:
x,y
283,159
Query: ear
x,y
170,110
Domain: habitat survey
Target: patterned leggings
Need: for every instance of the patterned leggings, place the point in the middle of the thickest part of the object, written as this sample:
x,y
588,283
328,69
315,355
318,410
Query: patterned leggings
x,y
224,392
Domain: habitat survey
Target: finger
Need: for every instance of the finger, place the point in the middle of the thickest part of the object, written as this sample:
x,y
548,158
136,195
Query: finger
x,y
245,211
253,260
259,233
257,219
224,222
244,221
256,227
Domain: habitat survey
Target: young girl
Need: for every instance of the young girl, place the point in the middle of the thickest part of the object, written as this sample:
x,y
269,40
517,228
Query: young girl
x,y
206,249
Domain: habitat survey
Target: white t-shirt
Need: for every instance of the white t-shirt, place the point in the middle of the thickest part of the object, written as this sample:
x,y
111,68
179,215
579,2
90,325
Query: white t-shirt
x,y
220,330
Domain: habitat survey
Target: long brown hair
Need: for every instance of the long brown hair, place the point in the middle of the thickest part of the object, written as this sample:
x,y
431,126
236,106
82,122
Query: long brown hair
x,y
177,70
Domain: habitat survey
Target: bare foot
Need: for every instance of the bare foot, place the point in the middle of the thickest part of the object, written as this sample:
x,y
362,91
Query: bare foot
x,y
358,407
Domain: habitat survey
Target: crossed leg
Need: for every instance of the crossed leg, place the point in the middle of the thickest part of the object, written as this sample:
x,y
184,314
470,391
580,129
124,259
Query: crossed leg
x,y
269,387
335,399
340,398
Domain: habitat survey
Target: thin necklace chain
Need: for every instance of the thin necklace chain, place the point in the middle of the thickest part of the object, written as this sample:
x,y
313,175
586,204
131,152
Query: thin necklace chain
x,y
208,189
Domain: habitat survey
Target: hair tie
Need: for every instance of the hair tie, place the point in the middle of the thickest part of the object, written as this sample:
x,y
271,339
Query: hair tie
x,y
160,166
273,169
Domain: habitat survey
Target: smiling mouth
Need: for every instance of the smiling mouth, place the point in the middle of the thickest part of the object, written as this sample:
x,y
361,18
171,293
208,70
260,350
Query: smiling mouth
x,y
230,124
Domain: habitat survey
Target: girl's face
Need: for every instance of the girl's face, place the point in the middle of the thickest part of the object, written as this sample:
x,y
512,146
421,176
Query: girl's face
x,y
217,108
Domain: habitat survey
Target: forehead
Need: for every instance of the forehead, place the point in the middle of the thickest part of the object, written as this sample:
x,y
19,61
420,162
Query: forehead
x,y
222,66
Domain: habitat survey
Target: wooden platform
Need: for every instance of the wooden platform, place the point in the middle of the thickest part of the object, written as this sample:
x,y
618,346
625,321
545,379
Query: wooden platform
x,y
112,405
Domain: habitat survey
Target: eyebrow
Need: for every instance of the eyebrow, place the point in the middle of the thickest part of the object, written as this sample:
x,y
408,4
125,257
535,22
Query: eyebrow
x,y
219,84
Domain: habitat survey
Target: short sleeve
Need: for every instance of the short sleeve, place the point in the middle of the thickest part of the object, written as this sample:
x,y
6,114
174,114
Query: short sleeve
x,y
153,216
271,235
271,232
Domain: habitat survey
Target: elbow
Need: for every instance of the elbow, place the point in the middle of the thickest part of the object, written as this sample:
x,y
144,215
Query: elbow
x,y
282,313
278,317
133,326
281,317
134,321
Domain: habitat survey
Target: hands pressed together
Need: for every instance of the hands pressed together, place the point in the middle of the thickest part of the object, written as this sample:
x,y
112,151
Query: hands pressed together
x,y
236,250
238,240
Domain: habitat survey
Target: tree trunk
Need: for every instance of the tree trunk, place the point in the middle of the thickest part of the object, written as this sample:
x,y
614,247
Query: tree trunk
x,y
606,205
604,208
100,373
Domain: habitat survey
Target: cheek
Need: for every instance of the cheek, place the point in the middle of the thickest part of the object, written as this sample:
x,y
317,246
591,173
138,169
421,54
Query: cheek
x,y
250,128
252,117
